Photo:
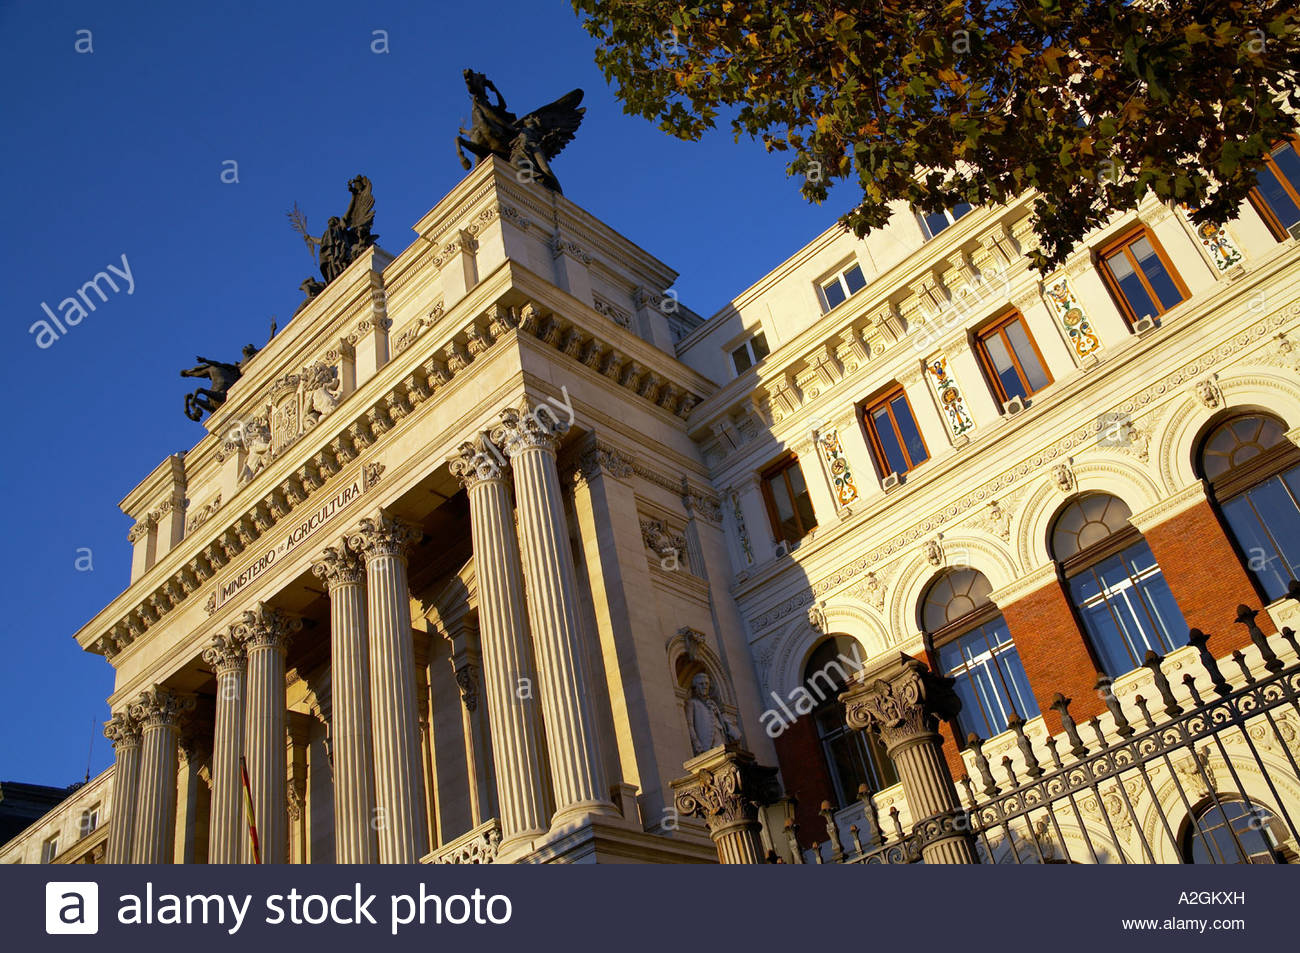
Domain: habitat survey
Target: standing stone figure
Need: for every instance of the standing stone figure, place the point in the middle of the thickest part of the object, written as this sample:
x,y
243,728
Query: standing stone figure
x,y
708,726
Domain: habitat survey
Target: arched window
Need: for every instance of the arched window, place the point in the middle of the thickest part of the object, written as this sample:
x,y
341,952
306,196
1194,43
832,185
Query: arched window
x,y
1254,477
1115,583
853,757
1233,832
973,647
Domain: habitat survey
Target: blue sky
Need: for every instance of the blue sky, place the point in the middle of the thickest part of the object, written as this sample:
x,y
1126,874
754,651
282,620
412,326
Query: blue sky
x,y
120,152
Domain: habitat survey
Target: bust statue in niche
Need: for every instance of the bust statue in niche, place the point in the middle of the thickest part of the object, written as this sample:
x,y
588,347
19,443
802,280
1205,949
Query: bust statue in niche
x,y
705,721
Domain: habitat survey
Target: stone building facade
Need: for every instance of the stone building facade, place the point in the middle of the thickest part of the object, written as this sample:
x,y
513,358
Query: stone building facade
x,y
446,568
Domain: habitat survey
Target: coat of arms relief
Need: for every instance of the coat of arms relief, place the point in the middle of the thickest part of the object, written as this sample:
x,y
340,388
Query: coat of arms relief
x,y
296,404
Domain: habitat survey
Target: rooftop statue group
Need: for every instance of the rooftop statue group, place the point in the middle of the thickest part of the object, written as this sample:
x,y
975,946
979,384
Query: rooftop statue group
x,y
529,144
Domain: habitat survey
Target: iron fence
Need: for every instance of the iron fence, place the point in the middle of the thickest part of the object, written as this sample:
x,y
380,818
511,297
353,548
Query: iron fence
x,y
1205,774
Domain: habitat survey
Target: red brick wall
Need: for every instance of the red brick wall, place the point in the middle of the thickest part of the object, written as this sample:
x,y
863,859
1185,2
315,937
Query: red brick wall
x,y
1206,576
1054,653
803,768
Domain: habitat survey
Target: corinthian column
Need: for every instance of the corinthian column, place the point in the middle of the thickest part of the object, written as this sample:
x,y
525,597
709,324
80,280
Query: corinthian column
x,y
400,815
158,711
904,701
343,573
266,634
507,656
227,831
726,788
528,436
125,735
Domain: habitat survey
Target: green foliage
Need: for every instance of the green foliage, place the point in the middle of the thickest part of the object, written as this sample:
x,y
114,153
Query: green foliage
x,y
1092,103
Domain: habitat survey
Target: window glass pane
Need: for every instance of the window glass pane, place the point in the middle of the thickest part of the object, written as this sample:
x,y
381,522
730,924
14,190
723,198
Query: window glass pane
x,y
854,280
908,431
1130,286
960,209
802,502
780,497
1275,196
758,344
1263,560
1024,348
935,222
834,292
1004,367
1288,161
740,358
894,461
1157,275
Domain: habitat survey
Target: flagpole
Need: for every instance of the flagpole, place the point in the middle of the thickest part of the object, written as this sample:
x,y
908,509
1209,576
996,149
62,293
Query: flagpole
x,y
248,810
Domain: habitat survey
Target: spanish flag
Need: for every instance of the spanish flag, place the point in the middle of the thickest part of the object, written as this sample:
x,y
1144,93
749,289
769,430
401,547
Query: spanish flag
x,y
248,810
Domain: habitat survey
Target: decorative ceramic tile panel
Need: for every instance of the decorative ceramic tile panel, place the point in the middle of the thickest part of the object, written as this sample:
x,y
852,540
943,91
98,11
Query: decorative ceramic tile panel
x,y
1218,245
950,396
838,466
1074,320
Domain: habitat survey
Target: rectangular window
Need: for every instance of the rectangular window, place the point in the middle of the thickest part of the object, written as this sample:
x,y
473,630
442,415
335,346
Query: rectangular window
x,y
893,434
789,508
843,286
749,353
1277,190
935,222
1140,276
50,850
1011,358
89,820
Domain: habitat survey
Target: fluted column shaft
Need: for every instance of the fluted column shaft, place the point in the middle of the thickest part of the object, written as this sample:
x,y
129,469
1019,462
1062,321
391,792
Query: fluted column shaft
x,y
227,831
266,634
355,837
528,437
158,711
508,669
125,735
400,816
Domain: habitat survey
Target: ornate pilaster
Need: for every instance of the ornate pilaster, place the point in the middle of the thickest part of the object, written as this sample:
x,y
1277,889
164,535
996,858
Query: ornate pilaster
x,y
529,437
266,634
227,833
124,733
903,701
400,815
344,574
158,712
726,788
509,675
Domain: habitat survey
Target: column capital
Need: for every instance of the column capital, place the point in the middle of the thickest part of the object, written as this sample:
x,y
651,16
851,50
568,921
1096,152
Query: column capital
x,y
477,460
339,565
226,653
902,700
265,627
383,535
159,707
530,426
122,730
726,787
